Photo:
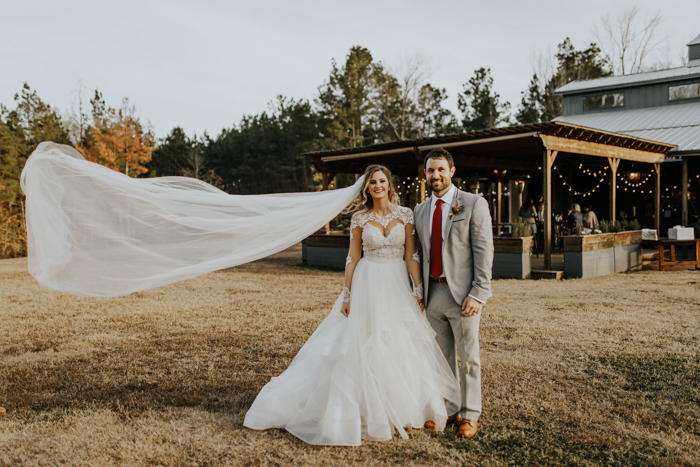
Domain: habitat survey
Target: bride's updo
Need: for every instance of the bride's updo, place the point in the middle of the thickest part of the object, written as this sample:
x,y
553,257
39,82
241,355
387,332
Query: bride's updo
x,y
365,201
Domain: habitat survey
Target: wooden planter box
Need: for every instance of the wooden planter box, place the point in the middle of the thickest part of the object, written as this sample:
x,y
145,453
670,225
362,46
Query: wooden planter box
x,y
628,250
511,257
601,254
325,250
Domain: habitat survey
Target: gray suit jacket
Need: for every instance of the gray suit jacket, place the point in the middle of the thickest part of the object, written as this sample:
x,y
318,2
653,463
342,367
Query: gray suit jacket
x,y
467,255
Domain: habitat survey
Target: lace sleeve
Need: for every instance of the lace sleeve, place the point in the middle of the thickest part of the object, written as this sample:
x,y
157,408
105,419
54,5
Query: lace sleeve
x,y
354,254
357,220
406,216
412,256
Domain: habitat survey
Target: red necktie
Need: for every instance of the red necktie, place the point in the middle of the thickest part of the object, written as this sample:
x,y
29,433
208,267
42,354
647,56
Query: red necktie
x,y
436,242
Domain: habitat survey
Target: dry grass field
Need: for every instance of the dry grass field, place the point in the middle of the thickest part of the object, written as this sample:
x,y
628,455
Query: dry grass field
x,y
601,371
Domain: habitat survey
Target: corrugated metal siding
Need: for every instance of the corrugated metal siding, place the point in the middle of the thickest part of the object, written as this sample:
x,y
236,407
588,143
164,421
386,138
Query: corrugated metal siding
x,y
672,124
636,97
624,80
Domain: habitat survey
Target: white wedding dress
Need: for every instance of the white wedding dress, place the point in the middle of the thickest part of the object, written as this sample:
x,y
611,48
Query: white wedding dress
x,y
374,372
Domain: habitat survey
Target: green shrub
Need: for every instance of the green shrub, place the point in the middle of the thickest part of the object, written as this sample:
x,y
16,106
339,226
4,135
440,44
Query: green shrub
x,y
521,229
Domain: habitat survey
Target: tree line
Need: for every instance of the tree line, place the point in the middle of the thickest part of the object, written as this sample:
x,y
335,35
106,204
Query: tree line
x,y
361,102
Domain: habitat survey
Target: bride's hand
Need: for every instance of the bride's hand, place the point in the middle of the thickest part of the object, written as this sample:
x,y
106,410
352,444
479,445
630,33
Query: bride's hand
x,y
345,309
420,304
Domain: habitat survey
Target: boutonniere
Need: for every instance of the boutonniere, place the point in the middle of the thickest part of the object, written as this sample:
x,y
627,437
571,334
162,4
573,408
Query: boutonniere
x,y
456,209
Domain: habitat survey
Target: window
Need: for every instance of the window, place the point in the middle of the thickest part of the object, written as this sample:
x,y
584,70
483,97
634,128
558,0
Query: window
x,y
605,101
684,91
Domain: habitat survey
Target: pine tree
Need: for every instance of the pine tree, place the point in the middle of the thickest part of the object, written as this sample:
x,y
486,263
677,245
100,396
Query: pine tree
x,y
480,106
529,110
345,101
573,65
31,122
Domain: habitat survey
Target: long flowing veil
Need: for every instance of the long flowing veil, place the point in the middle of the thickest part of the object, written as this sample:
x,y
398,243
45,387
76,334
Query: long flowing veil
x,y
92,231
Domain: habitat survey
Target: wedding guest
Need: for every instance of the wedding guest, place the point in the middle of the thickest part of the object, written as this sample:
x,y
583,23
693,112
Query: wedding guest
x,y
590,220
529,214
575,217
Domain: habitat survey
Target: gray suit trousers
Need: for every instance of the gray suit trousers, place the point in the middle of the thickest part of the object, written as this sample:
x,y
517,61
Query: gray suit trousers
x,y
457,335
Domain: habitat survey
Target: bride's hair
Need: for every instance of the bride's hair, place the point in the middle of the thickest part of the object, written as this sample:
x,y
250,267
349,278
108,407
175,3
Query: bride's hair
x,y
365,200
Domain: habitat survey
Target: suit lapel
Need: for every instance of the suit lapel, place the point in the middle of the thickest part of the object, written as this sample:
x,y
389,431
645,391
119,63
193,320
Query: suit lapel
x,y
455,202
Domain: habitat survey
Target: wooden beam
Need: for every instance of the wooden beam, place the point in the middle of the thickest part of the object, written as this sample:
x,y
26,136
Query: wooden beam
x,y
493,162
684,194
657,199
493,139
548,160
556,143
614,164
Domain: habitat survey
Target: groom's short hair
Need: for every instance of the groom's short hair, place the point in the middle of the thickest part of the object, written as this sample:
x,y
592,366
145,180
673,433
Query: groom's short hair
x,y
439,154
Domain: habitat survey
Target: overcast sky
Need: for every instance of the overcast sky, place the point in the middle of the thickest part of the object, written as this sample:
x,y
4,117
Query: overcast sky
x,y
202,65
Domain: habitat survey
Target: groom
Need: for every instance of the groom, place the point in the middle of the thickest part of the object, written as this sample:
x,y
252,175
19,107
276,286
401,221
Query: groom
x,y
455,242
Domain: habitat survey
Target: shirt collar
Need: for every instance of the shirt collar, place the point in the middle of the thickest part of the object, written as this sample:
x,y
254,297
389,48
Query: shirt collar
x,y
447,198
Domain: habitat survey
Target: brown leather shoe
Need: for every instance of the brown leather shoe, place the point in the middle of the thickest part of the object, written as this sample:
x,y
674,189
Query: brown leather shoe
x,y
467,428
429,425
453,419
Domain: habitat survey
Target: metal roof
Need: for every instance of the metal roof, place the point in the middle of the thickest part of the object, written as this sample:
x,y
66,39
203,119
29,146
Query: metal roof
x,y
504,133
600,84
515,148
674,124
695,41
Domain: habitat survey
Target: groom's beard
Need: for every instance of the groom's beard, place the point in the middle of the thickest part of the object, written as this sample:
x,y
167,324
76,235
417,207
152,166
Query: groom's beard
x,y
440,184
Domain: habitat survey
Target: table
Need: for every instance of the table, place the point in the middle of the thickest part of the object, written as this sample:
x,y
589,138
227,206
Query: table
x,y
664,242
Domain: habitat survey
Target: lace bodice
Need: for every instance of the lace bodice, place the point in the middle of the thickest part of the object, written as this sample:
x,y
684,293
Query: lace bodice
x,y
374,243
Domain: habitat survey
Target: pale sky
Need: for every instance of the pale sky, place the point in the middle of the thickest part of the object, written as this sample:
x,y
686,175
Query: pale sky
x,y
203,65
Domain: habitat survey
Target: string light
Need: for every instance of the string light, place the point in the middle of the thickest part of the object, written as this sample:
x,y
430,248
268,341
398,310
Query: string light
x,y
600,174
635,185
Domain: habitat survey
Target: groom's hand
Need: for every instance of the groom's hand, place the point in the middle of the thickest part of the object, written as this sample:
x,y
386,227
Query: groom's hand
x,y
421,305
471,306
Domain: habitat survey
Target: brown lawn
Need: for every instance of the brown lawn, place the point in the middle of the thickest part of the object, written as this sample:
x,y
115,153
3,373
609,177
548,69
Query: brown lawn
x,y
575,372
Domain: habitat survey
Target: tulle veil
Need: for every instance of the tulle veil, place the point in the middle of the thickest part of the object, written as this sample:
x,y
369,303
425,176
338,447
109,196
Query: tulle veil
x,y
95,232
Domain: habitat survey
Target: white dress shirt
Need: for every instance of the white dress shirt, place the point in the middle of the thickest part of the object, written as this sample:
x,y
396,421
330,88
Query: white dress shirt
x,y
447,198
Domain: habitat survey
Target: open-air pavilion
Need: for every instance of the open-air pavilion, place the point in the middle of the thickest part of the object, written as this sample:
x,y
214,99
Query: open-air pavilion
x,y
525,152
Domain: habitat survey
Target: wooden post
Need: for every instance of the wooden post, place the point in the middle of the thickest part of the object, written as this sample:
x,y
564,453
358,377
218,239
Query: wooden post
x,y
547,163
326,178
499,197
657,200
684,193
614,164
554,196
490,200
421,176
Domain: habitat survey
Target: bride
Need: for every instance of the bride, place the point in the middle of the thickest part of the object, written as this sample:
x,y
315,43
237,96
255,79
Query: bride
x,y
373,365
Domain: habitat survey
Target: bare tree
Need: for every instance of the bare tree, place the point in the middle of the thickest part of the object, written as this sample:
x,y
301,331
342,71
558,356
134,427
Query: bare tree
x,y
397,95
628,39
195,161
544,66
77,120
